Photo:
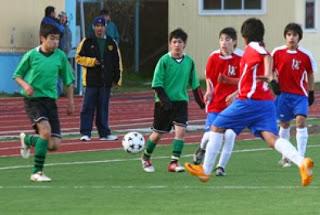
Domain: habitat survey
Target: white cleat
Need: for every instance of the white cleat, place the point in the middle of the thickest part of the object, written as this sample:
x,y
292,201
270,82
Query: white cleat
x,y
147,166
40,177
285,162
24,150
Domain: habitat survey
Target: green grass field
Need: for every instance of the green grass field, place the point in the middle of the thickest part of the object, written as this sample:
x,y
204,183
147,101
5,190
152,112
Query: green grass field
x,y
112,182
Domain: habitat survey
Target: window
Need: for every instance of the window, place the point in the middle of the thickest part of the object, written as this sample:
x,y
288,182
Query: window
x,y
232,7
310,14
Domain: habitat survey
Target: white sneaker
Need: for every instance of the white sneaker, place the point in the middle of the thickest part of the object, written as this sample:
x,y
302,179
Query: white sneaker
x,y
85,138
39,177
110,137
147,166
24,150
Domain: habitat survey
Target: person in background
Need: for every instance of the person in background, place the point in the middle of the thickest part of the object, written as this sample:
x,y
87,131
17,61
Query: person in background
x,y
50,18
111,27
98,56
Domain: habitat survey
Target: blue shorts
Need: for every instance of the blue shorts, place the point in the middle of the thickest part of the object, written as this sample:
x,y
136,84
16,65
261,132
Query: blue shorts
x,y
257,115
290,105
209,121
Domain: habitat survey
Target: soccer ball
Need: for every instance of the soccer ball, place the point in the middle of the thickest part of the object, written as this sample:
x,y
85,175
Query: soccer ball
x,y
133,142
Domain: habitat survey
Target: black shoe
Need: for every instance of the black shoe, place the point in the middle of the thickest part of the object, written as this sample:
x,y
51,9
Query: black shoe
x,y
198,156
220,171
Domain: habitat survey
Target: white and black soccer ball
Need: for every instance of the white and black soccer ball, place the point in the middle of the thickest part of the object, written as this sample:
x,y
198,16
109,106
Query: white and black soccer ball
x,y
133,142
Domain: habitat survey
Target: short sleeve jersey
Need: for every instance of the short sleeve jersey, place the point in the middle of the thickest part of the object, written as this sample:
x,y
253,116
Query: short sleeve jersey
x,y
252,66
42,72
218,64
292,68
175,77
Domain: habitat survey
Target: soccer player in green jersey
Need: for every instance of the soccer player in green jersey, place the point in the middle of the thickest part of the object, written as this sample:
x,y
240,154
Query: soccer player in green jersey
x,y
37,74
174,72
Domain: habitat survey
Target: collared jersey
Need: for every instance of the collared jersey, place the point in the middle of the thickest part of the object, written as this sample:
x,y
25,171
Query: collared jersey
x,y
218,64
42,72
292,68
175,76
252,66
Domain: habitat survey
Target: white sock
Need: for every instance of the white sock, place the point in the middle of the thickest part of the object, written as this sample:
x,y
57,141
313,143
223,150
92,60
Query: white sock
x,y
285,134
204,140
212,149
229,139
302,140
288,150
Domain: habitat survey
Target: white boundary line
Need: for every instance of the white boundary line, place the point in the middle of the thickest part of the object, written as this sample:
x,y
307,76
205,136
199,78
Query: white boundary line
x,y
159,187
125,160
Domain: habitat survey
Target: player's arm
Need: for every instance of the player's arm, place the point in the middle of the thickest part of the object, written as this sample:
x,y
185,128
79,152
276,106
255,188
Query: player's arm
x,y
198,96
81,57
222,78
26,87
69,94
230,98
311,88
164,99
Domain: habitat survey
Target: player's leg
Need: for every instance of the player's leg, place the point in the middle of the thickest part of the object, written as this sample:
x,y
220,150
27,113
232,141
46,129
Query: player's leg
x,y
229,140
40,152
285,148
301,109
301,134
87,112
161,125
53,117
179,117
284,132
201,150
199,153
177,147
285,113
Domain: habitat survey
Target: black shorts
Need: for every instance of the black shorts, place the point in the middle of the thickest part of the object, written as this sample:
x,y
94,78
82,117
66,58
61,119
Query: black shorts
x,y
39,109
164,120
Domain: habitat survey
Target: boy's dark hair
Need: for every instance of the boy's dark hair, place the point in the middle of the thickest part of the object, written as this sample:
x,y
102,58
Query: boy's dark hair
x,y
104,12
48,10
46,29
294,27
178,33
231,32
253,30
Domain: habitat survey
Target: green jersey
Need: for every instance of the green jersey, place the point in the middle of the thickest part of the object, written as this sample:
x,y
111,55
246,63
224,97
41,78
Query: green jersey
x,y
175,77
42,72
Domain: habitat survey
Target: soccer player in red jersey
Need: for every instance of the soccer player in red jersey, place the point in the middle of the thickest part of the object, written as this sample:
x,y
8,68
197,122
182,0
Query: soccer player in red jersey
x,y
254,107
222,67
294,67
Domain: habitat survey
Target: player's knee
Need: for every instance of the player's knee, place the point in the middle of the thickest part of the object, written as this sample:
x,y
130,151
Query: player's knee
x,y
45,134
53,146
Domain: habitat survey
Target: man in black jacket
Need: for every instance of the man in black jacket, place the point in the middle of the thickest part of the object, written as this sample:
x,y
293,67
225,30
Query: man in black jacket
x,y
98,56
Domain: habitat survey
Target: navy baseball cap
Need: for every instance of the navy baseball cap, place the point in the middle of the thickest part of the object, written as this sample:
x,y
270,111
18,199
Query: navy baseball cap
x,y
99,20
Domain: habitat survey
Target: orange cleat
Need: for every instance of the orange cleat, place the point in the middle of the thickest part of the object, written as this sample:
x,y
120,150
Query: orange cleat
x,y
196,170
306,171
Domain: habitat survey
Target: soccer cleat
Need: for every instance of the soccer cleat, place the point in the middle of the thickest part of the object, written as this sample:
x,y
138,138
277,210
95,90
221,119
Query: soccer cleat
x,y
197,170
285,162
24,150
110,137
85,138
220,171
174,166
40,177
306,171
198,156
147,165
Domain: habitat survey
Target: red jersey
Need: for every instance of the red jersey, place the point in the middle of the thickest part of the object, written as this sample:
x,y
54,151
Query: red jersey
x,y
251,66
227,65
292,67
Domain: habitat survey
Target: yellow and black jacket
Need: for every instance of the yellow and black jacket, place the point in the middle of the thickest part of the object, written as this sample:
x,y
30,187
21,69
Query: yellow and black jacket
x,y
104,74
